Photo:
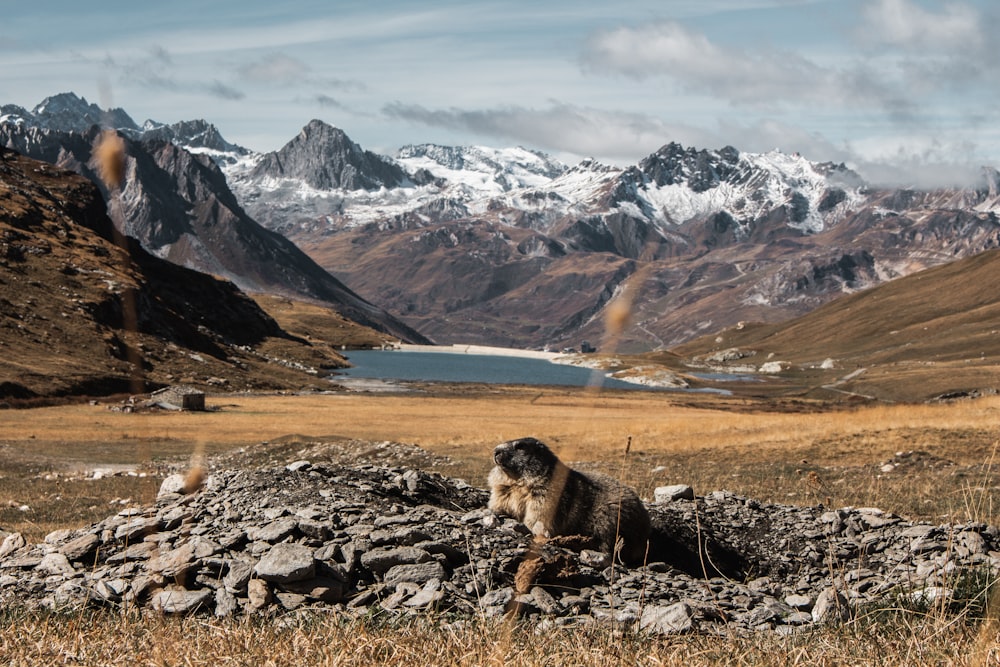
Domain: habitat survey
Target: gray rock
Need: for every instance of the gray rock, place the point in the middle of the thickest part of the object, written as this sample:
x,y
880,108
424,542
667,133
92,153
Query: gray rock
x,y
286,563
831,607
226,604
800,602
972,541
135,529
173,485
290,601
380,560
427,596
144,584
314,529
498,597
180,601
667,620
108,591
56,536
402,536
134,552
79,548
799,618
667,494
11,543
55,563
238,576
400,594
274,531
544,600
418,573
175,563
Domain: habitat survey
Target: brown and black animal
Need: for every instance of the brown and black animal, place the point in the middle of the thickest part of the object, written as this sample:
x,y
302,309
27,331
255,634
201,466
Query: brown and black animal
x,y
531,484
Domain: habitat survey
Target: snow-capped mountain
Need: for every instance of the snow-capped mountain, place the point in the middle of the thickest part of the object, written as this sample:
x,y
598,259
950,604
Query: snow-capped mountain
x,y
67,112
668,188
509,246
197,136
679,184
480,169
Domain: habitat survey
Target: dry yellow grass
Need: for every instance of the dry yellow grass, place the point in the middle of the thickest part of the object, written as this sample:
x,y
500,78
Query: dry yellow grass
x,y
830,456
98,638
580,425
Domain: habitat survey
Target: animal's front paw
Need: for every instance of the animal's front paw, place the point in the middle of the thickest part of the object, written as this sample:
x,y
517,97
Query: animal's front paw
x,y
538,529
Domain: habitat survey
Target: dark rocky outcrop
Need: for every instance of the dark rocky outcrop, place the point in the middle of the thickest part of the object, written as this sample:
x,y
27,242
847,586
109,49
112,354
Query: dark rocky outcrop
x,y
397,540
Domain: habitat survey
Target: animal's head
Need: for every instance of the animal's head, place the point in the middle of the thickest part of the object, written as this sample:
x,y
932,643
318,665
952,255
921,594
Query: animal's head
x,y
525,457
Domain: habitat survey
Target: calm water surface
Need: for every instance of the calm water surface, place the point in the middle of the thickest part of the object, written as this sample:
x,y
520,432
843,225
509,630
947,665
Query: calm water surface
x,y
489,369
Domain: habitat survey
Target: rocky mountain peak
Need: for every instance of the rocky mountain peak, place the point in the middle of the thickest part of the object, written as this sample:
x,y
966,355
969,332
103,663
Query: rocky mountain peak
x,y
193,135
325,158
69,112
699,169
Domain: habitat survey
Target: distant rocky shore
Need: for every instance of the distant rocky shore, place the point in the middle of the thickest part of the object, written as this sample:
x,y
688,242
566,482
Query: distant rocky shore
x,y
399,541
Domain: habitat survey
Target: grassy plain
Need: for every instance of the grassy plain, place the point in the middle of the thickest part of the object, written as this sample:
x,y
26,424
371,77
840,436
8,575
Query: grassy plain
x,y
793,452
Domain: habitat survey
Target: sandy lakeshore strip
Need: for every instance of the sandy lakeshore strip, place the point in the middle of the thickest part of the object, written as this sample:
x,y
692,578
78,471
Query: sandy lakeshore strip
x,y
480,349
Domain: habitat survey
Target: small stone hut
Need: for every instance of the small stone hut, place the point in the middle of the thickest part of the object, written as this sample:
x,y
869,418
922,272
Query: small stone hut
x,y
179,397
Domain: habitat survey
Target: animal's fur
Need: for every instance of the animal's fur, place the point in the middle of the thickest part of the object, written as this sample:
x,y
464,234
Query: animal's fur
x,y
532,485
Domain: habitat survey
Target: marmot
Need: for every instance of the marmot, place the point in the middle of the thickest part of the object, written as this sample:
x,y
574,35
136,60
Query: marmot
x,y
532,485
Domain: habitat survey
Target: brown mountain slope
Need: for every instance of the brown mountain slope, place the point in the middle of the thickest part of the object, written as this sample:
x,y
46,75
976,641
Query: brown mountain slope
x,y
179,206
927,334
84,310
318,323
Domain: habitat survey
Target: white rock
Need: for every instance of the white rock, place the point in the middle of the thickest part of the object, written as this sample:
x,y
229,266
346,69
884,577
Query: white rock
x,y
172,484
666,494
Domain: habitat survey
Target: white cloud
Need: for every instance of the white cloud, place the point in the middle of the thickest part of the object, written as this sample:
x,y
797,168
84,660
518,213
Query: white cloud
x,y
769,134
905,24
933,52
764,78
275,69
614,136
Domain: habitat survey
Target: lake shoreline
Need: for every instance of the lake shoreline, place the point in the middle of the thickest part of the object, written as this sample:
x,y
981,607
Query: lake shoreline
x,y
480,350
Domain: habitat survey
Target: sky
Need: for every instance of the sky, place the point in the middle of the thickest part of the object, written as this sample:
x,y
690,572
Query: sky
x,y
904,91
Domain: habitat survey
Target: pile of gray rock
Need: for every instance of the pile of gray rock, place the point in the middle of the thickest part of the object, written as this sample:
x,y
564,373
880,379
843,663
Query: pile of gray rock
x,y
390,540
